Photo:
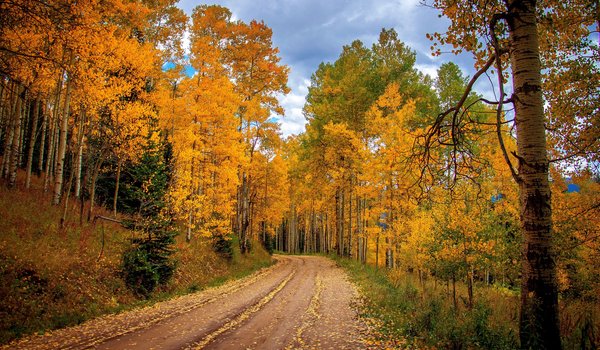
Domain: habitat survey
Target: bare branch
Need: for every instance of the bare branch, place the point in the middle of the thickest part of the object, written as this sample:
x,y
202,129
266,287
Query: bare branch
x,y
434,133
507,101
107,219
498,55
436,127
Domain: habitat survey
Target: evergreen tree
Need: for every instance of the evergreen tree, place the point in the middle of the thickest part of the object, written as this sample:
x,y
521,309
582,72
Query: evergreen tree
x,y
148,262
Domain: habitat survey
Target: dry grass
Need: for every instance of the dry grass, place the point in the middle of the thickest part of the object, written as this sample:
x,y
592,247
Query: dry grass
x,y
54,277
410,313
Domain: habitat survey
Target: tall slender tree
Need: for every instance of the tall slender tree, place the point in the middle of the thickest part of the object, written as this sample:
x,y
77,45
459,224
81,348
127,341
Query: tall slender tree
x,y
505,35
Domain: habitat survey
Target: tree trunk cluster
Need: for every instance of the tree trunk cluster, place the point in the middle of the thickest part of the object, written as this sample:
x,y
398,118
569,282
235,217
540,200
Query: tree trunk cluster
x,y
40,135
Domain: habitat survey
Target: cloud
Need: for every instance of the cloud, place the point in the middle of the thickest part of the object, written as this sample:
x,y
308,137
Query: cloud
x,y
309,32
427,68
293,122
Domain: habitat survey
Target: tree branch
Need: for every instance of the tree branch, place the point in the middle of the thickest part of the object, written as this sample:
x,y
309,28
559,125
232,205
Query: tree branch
x,y
107,219
498,54
434,129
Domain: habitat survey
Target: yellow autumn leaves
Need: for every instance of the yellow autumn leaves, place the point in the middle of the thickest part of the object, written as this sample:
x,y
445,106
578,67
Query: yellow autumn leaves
x,y
218,123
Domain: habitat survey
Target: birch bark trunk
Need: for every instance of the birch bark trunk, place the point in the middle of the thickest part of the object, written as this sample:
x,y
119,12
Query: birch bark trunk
x,y
539,319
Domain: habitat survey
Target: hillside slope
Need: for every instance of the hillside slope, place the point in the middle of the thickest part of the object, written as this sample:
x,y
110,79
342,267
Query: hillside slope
x,y
54,277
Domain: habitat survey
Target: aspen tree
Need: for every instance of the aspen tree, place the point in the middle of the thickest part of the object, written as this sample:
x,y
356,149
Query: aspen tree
x,y
518,36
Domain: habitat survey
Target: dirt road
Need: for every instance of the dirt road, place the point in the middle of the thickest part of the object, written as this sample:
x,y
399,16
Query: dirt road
x,y
299,303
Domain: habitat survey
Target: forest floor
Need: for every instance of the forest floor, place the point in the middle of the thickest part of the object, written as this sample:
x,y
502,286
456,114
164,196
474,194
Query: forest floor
x,y
301,302
52,277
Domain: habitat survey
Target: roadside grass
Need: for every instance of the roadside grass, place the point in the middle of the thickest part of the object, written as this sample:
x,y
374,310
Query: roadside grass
x,y
408,313
53,278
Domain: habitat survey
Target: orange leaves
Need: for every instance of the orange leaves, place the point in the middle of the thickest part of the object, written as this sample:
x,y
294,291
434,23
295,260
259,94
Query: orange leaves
x,y
577,232
389,121
243,52
390,147
207,153
419,235
468,28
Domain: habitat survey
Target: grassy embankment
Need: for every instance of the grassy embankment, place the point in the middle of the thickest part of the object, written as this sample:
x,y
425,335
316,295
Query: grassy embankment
x,y
52,277
408,313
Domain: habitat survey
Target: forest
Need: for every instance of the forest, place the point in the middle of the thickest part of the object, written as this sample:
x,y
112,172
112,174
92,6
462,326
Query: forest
x,y
110,119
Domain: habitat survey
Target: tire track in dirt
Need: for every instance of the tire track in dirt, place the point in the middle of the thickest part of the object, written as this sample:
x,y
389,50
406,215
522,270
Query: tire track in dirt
x,y
191,327
314,307
167,312
243,315
311,316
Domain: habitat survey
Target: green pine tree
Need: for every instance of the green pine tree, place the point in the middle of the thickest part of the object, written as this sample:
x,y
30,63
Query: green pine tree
x,y
148,262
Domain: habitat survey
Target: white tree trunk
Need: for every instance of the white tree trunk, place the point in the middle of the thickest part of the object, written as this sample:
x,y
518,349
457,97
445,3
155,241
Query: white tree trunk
x,y
14,153
10,120
62,147
539,321
43,133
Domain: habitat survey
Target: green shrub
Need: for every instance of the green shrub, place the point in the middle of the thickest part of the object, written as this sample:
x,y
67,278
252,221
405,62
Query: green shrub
x,y
269,243
138,272
147,263
223,245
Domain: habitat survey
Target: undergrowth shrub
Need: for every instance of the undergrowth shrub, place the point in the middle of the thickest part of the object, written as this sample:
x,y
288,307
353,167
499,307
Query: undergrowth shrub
x,y
223,245
148,262
268,242
427,318
144,268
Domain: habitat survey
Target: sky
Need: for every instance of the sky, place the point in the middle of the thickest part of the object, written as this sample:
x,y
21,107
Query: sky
x,y
308,32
